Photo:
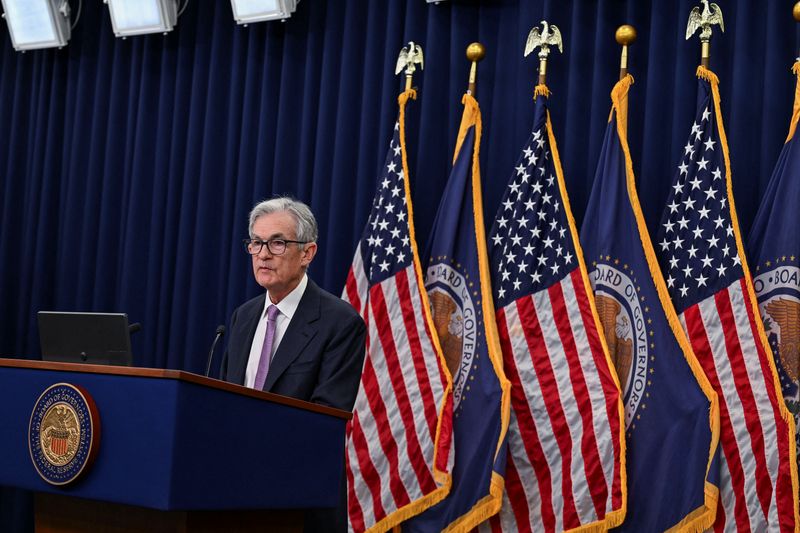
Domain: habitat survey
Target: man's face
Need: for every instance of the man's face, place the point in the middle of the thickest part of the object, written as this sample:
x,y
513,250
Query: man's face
x,y
279,274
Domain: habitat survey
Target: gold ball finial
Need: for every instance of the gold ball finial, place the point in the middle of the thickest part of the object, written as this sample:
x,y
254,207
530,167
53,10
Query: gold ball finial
x,y
476,52
626,34
796,12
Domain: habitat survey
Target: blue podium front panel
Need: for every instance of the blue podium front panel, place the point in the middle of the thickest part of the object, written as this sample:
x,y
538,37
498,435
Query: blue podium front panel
x,y
173,444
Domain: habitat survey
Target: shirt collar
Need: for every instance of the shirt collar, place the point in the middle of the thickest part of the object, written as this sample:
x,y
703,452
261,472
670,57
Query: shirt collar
x,y
289,304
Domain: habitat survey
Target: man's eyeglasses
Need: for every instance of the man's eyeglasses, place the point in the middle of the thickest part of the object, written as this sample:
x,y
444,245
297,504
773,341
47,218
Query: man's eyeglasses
x,y
275,246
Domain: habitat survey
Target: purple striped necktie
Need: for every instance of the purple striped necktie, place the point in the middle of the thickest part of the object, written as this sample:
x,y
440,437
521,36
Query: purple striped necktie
x,y
266,349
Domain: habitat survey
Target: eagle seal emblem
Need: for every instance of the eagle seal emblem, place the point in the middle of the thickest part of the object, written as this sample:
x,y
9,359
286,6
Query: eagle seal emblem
x,y
624,320
617,329
449,326
454,318
786,314
64,433
778,292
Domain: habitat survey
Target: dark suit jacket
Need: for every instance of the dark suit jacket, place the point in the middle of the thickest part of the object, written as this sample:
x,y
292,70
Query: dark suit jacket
x,y
320,356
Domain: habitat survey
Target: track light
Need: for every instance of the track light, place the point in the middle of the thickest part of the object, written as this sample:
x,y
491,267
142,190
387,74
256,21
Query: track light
x,y
37,23
137,17
247,11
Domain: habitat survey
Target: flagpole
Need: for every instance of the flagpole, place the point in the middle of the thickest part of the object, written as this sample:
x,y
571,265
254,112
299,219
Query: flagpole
x,y
625,36
475,52
542,71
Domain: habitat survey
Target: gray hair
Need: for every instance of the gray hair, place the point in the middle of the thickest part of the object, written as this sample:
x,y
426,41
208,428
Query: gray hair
x,y
306,223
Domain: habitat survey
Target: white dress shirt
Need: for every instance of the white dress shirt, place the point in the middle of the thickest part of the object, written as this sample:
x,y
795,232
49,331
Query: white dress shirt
x,y
286,310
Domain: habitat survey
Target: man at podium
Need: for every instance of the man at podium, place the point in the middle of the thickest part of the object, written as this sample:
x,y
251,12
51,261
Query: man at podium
x,y
295,339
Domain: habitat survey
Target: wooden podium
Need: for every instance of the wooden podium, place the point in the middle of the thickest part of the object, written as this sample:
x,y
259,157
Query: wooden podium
x,y
178,452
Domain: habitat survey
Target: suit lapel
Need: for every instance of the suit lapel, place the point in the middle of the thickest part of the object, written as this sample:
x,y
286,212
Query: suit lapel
x,y
299,333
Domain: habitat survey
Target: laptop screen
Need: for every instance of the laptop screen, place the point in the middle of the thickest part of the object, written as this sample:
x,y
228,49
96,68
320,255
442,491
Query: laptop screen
x,y
93,338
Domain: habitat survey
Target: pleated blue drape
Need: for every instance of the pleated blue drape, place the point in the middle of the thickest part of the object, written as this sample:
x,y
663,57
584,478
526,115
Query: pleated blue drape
x,y
127,167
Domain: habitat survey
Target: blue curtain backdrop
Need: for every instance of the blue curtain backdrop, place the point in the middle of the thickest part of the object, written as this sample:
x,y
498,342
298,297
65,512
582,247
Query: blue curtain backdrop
x,y
127,167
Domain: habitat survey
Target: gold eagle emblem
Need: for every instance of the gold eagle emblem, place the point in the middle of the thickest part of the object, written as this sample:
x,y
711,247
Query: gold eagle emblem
x,y
787,315
449,328
617,330
60,434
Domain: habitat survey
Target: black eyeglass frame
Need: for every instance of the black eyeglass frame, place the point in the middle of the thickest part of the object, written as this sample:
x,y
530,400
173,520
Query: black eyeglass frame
x,y
248,242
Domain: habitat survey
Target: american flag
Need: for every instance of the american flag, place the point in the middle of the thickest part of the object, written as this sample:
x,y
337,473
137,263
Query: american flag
x,y
398,459
565,438
702,258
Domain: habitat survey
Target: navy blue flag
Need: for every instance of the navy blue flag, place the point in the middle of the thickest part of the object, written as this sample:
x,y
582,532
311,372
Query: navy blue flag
x,y
459,288
774,250
671,411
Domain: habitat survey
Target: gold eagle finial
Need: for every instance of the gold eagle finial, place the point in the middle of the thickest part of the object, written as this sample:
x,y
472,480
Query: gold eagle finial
x,y
711,15
410,56
549,36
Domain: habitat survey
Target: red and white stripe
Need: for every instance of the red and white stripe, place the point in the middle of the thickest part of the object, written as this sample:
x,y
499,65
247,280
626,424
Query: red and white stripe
x,y
357,285
755,482
391,441
564,464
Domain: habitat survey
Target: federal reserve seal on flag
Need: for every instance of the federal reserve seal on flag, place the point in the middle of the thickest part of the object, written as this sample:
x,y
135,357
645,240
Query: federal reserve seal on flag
x,y
625,325
778,292
64,433
454,317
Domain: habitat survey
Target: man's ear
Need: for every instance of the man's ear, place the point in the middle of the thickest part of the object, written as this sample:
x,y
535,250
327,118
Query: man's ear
x,y
309,253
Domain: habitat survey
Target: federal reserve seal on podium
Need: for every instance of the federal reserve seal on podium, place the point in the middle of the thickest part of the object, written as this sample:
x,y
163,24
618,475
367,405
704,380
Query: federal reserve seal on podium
x,y
64,433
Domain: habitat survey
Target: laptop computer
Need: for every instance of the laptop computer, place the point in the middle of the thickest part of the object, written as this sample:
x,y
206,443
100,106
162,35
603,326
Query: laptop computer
x,y
93,338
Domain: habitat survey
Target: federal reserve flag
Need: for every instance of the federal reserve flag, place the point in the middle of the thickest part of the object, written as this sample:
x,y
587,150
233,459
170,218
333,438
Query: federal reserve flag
x,y
671,411
458,283
566,441
398,443
775,251
702,256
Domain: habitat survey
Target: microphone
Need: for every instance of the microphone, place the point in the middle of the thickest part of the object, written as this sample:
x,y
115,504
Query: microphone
x,y
133,328
220,333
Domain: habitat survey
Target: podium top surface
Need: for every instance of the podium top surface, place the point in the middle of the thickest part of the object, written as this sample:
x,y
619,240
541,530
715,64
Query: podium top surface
x,y
180,375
